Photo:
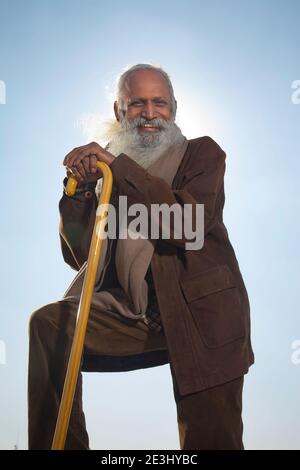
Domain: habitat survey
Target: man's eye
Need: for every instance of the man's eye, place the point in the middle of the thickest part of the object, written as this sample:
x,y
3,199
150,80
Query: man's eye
x,y
136,103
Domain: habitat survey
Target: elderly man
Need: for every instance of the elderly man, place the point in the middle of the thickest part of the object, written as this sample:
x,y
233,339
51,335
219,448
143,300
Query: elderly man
x,y
155,301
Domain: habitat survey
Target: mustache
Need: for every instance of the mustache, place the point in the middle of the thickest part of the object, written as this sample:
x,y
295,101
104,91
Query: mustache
x,y
140,121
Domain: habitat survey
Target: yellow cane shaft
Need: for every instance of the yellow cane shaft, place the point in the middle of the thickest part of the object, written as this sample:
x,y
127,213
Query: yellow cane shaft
x,y
84,306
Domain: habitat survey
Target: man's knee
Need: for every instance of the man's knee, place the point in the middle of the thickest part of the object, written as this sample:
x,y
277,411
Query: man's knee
x,y
56,316
46,315
37,317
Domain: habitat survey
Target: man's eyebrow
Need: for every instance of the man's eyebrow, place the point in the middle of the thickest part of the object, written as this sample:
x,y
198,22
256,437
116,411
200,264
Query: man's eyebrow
x,y
160,98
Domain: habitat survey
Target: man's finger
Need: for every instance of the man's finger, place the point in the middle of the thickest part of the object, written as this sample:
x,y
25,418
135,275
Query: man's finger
x,y
87,153
80,168
79,156
78,153
69,155
93,164
86,164
69,158
76,174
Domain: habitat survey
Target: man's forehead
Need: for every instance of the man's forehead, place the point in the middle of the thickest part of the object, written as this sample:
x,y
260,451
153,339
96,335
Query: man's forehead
x,y
143,83
145,98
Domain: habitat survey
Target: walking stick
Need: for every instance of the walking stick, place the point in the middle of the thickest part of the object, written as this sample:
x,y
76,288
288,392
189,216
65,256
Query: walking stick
x,y
84,305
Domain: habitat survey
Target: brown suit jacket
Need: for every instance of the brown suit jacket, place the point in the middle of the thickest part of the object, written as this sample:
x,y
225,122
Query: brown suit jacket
x,y
202,298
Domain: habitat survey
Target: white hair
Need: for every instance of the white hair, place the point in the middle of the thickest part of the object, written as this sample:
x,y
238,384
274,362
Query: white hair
x,y
124,76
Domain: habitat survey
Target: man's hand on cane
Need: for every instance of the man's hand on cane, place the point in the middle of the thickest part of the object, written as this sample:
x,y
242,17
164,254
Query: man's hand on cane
x,y
81,162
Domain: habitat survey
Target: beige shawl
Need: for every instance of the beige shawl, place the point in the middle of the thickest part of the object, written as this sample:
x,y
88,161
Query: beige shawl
x,y
132,257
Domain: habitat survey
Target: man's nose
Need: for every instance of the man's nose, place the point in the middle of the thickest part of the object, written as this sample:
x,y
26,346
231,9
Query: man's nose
x,y
149,111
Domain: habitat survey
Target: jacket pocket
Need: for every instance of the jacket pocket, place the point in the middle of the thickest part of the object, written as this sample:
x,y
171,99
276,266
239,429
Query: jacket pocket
x,y
214,301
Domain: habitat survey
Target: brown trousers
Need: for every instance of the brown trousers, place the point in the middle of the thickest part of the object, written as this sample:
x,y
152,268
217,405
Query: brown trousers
x,y
209,419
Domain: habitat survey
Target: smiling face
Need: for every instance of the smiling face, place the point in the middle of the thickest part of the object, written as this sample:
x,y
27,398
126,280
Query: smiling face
x,y
147,100
145,111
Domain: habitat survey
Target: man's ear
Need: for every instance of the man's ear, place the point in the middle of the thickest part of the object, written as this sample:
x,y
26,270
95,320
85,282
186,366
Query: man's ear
x,y
116,110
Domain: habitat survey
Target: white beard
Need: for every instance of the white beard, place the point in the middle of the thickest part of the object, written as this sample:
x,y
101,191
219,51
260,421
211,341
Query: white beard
x,y
144,148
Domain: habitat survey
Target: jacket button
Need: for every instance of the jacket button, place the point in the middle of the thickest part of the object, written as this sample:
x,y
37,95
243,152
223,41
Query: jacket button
x,y
88,194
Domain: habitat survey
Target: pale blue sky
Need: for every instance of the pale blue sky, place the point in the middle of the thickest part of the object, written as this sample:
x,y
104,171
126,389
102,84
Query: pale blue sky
x,y
232,64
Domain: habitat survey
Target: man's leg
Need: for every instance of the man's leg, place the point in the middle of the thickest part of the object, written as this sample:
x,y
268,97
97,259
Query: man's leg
x,y
211,419
51,330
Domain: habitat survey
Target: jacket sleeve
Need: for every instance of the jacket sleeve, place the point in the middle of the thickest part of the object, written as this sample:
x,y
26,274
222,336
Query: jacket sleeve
x,y
77,218
201,184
